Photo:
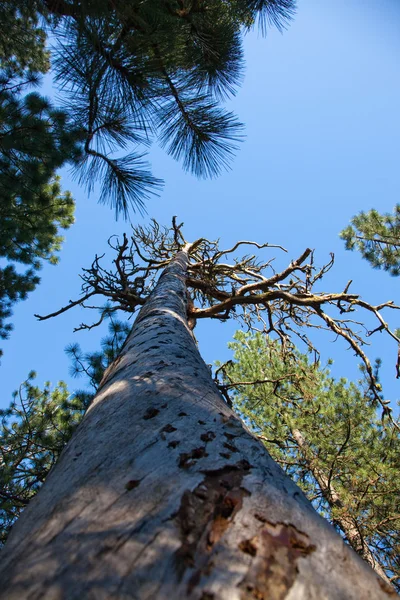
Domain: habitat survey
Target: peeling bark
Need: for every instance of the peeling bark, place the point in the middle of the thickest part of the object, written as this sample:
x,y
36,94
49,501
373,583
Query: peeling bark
x,y
275,550
162,493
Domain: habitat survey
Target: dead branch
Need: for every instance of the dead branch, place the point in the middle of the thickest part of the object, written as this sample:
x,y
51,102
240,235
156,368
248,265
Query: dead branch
x,y
71,304
284,303
258,381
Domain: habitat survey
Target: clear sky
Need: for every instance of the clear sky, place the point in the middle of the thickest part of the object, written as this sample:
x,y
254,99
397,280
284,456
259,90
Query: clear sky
x,y
320,103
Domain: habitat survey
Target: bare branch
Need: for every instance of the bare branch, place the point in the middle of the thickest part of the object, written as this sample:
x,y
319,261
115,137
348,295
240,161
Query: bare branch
x,y
65,308
258,381
282,305
278,276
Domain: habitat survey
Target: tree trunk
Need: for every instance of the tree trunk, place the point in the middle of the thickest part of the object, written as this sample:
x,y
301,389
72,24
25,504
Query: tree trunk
x,y
163,494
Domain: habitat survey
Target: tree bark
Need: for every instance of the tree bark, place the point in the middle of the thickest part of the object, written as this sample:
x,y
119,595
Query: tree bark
x,y
162,493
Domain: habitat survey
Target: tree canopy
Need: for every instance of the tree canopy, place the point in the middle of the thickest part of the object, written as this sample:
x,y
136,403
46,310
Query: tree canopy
x,y
35,140
134,71
283,303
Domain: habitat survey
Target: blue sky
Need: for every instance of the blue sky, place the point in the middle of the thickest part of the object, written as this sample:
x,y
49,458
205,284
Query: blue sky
x,y
320,104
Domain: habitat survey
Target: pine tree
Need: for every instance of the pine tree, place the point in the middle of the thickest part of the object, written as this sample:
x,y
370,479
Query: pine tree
x,y
35,140
328,438
377,237
34,430
135,71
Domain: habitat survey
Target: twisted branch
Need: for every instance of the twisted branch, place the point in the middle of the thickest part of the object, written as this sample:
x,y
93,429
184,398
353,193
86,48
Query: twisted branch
x,y
284,303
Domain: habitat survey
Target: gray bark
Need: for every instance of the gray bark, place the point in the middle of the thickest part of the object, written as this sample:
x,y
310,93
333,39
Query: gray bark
x,y
162,493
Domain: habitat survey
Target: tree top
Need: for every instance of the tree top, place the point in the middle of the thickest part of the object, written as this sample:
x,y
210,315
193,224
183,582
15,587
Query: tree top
x,y
285,304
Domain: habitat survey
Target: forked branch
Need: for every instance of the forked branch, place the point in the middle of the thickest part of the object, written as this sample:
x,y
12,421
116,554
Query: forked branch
x,y
281,303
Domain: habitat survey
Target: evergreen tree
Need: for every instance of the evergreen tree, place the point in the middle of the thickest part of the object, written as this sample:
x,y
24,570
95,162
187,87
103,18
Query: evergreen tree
x,y
377,237
34,430
35,140
136,71
326,435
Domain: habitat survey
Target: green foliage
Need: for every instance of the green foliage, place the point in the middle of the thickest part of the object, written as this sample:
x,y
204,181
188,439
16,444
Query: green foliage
x,y
136,71
39,422
327,437
133,71
377,237
28,235
23,52
34,430
35,140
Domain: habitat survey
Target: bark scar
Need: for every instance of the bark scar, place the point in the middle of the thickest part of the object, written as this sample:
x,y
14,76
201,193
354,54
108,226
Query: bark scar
x,y
188,459
150,413
168,428
203,517
274,553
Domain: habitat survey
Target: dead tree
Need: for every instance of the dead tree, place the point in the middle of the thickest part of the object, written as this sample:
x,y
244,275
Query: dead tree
x,y
162,492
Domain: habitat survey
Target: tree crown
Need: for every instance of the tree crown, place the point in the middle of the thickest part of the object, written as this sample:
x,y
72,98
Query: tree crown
x,y
284,304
